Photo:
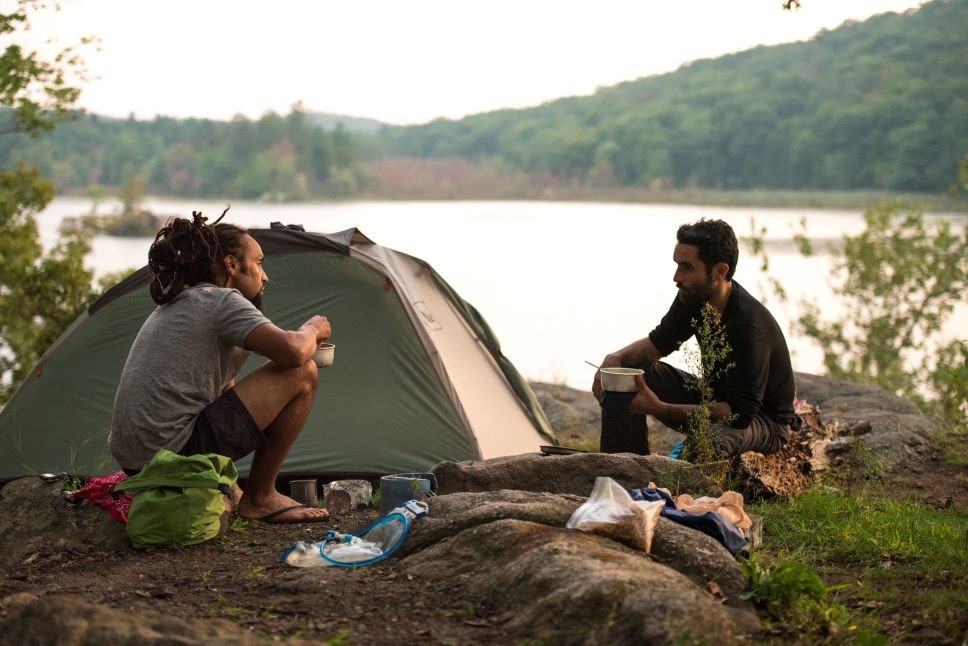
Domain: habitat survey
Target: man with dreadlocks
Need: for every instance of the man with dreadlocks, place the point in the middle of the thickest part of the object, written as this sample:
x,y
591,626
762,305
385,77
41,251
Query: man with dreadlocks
x,y
178,388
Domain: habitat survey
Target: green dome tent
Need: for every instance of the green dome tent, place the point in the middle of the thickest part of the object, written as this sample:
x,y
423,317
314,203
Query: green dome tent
x,y
418,378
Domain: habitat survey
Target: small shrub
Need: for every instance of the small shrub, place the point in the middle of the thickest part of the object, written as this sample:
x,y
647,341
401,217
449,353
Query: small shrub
x,y
711,364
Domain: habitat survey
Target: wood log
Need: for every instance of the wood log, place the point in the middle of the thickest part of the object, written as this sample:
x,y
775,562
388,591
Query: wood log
x,y
343,495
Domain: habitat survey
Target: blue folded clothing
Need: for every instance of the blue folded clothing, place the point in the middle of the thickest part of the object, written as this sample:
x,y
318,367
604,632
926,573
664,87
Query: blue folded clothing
x,y
615,404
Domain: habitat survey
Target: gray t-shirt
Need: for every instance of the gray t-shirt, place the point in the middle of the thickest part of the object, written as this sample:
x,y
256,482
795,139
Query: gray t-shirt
x,y
185,354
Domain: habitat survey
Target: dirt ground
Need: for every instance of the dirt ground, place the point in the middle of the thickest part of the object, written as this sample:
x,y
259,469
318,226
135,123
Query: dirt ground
x,y
239,578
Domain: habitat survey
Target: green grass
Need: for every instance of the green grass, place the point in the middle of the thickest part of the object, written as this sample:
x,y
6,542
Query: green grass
x,y
889,559
827,527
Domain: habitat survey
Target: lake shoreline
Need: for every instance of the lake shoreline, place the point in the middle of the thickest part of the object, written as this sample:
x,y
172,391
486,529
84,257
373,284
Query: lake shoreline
x,y
525,264
753,198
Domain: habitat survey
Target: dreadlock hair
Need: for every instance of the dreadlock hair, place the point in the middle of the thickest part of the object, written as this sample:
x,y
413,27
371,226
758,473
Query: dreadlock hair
x,y
186,252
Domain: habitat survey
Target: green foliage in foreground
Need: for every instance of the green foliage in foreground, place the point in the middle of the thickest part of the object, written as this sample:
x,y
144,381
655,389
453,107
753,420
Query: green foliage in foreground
x,y
710,366
899,282
895,555
40,294
901,279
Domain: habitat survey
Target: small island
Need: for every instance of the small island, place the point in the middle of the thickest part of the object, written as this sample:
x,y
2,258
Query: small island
x,y
133,220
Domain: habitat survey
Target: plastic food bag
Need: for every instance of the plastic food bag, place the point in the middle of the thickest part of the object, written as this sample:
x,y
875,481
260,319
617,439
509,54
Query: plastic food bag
x,y
611,512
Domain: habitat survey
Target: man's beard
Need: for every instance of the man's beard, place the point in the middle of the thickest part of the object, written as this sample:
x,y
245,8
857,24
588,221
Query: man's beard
x,y
257,301
696,296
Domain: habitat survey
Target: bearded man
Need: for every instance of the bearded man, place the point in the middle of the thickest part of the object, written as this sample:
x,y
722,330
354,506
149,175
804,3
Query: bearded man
x,y
178,388
753,407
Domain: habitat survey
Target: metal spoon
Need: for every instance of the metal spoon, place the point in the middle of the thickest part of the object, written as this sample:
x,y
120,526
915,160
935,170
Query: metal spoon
x,y
597,367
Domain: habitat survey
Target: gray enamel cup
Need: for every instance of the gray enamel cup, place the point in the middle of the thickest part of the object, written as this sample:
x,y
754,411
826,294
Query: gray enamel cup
x,y
324,355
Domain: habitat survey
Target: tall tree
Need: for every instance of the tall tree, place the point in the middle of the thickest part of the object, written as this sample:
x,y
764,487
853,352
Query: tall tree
x,y
40,294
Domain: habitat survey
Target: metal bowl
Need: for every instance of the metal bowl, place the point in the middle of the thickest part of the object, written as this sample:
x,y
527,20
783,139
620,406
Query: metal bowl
x,y
619,380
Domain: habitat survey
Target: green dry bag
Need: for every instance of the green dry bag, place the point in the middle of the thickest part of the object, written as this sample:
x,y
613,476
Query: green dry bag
x,y
179,500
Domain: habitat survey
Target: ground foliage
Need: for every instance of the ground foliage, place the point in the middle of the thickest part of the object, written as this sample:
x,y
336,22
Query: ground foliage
x,y
885,563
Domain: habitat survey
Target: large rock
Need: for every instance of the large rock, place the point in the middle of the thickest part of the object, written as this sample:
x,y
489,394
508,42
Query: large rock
x,y
451,514
574,474
36,521
67,620
576,418
891,427
566,586
571,412
698,556
839,394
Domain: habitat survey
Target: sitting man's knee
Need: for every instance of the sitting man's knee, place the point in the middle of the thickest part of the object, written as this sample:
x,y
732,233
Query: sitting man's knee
x,y
312,372
307,375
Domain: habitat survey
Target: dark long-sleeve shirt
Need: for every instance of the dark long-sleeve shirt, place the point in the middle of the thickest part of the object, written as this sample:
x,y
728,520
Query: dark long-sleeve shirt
x,y
761,382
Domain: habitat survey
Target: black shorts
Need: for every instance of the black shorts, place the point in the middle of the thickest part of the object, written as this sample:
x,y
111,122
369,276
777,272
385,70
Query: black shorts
x,y
225,427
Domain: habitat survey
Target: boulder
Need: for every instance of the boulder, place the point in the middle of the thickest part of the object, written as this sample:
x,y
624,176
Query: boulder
x,y
698,556
574,474
895,430
570,411
576,418
891,427
566,586
68,620
451,514
837,393
37,522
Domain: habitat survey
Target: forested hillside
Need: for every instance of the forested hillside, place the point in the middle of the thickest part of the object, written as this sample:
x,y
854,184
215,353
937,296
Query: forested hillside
x,y
879,105
275,157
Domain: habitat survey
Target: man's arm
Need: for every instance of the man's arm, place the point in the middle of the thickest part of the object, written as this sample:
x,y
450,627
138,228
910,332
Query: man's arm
x,y
289,348
639,353
636,354
646,402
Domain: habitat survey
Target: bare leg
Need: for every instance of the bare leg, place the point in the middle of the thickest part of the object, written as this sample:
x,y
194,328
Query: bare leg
x,y
279,400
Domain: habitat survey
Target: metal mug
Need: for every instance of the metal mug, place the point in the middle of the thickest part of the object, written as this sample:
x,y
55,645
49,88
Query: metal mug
x,y
303,492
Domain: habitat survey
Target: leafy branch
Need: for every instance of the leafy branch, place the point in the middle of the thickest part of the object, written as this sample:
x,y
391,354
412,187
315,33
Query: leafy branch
x,y
711,365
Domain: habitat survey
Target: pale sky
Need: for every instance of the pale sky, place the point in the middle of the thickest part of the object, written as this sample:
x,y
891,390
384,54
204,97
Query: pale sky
x,y
404,61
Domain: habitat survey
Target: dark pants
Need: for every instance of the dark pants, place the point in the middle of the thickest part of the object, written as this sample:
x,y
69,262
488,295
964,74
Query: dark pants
x,y
629,433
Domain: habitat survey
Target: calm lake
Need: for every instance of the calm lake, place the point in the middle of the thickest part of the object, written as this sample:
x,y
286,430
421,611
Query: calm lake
x,y
559,282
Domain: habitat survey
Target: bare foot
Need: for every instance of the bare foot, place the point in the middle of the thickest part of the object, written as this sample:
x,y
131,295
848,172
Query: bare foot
x,y
254,509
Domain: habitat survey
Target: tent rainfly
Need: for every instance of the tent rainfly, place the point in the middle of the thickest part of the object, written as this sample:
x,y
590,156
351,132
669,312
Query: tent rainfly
x,y
419,376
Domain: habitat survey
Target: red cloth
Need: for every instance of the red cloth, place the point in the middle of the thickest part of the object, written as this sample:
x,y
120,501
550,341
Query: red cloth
x,y
99,491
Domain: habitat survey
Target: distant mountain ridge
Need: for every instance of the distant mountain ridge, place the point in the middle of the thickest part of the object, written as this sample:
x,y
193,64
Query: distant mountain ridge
x,y
877,105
